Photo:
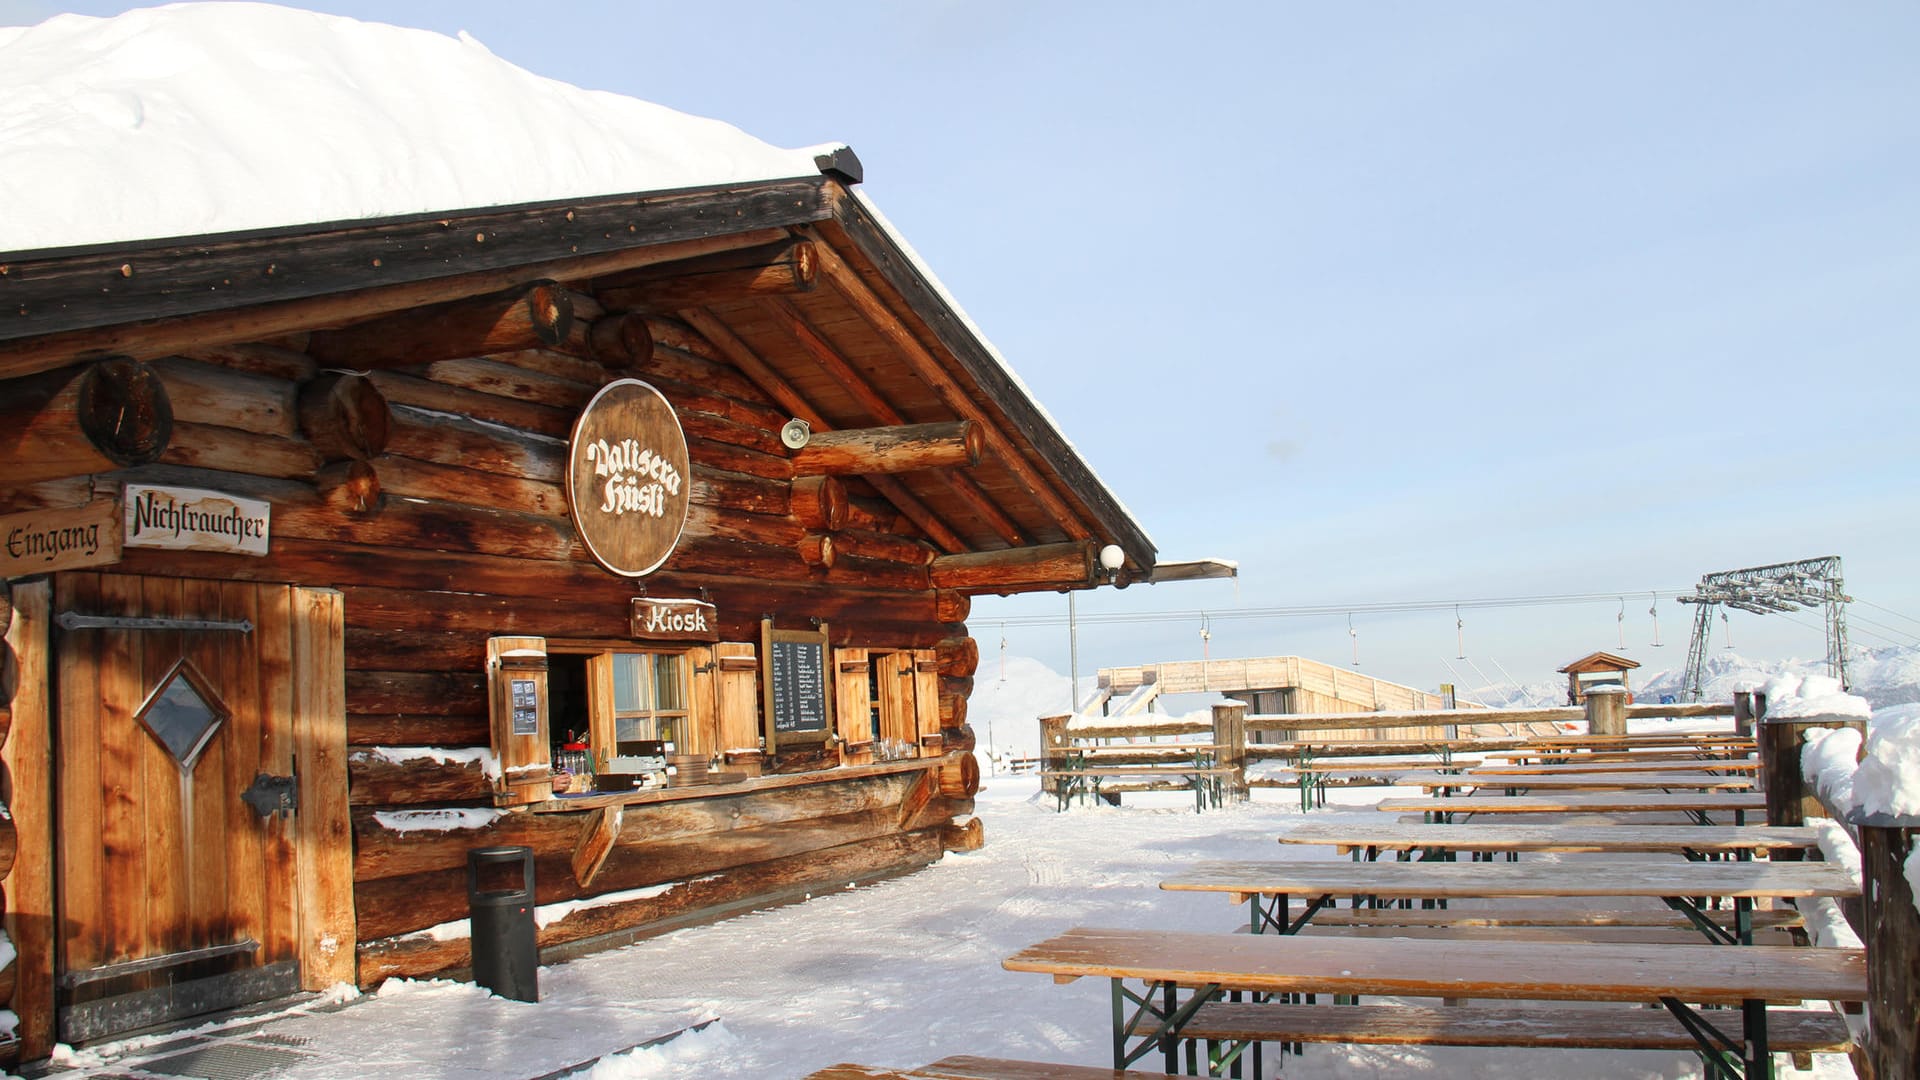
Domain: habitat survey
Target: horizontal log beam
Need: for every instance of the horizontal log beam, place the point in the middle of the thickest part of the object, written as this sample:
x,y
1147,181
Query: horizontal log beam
x,y
793,878
898,449
523,317
717,279
224,449
1063,566
214,395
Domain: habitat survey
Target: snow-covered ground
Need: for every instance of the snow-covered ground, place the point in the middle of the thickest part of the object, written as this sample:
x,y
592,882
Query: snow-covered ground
x,y
898,974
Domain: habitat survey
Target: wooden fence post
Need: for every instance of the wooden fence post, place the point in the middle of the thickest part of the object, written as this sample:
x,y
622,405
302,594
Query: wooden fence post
x,y
1230,741
1053,750
1606,711
1893,945
1780,739
1743,712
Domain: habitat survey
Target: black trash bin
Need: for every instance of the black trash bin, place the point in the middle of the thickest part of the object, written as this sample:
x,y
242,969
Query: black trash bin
x,y
506,958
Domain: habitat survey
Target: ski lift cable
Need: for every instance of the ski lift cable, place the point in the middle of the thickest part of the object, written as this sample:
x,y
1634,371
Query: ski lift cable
x,y
1323,610
1888,610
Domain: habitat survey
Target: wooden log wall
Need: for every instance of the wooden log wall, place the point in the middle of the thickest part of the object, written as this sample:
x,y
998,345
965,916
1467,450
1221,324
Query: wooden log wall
x,y
26,879
427,489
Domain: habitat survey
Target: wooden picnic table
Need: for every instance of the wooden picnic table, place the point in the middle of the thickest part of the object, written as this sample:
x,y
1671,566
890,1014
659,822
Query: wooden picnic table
x,y
1268,887
970,1067
1185,971
1700,805
1369,839
1698,753
1697,781
1568,768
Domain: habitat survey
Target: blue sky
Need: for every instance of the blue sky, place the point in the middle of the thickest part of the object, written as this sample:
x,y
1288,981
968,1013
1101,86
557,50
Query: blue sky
x,y
1386,302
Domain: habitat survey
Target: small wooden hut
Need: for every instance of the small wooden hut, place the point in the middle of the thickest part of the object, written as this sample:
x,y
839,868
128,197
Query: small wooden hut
x,y
332,553
1595,669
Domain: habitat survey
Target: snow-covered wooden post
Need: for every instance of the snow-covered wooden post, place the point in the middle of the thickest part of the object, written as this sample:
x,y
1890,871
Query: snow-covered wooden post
x,y
1606,710
1885,794
1230,745
1889,873
1790,801
1743,714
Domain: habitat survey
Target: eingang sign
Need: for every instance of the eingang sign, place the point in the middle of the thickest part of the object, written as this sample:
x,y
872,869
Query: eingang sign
x,y
628,477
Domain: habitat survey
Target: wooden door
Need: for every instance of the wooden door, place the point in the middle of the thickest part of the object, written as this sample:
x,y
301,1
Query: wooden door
x,y
201,852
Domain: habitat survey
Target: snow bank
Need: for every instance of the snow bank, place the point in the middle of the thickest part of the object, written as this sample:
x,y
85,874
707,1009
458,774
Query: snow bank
x,y
1827,762
212,117
1793,696
1888,780
402,821
400,755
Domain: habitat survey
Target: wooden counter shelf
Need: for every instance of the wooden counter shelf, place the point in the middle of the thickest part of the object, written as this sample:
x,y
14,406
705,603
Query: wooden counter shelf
x,y
639,796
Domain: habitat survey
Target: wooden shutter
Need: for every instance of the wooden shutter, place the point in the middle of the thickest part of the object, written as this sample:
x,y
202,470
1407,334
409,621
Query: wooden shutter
x,y
926,701
517,701
737,696
703,703
895,679
854,706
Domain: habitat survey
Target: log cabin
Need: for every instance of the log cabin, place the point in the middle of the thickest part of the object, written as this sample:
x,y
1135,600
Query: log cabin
x,y
637,529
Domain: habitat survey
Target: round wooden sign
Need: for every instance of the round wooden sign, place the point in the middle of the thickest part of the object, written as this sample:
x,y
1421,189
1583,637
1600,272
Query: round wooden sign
x,y
628,478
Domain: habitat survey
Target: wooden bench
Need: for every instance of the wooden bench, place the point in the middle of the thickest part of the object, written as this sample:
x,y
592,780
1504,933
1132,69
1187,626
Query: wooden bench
x,y
1565,768
1442,918
968,1067
1609,781
1369,841
1185,972
1699,806
1799,1031
1313,778
1099,781
1269,887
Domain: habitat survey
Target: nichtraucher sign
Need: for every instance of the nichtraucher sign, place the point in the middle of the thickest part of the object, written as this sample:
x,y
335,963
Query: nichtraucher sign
x,y
628,478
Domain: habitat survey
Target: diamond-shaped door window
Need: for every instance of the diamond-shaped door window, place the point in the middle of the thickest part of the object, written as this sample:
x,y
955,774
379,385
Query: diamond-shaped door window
x,y
183,714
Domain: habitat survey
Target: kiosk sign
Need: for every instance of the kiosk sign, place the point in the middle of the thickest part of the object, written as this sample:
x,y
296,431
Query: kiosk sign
x,y
627,478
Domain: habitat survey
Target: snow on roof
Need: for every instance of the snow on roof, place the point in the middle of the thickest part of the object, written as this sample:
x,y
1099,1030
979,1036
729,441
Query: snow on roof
x,y
202,118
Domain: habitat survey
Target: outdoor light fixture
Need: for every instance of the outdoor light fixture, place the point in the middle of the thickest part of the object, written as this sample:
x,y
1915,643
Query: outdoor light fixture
x,y
1112,559
795,433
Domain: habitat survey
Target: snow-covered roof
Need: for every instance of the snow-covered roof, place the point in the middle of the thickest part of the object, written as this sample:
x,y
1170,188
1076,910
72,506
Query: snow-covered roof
x,y
202,118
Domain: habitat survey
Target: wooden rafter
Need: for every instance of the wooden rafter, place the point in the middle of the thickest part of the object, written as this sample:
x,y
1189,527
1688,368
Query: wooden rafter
x,y
849,285
869,398
769,381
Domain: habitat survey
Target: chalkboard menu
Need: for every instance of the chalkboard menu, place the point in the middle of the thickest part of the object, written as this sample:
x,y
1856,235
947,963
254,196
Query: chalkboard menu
x,y
796,702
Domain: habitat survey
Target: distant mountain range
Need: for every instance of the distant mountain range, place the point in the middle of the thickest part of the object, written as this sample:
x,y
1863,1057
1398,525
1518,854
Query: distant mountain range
x,y
1885,677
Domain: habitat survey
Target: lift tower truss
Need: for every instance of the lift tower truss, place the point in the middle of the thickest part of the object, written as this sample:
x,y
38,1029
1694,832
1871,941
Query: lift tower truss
x,y
1766,590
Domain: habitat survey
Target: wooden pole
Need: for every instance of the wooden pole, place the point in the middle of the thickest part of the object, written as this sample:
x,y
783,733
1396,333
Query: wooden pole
x,y
1743,712
898,449
344,416
524,317
90,418
1057,565
774,270
1230,739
